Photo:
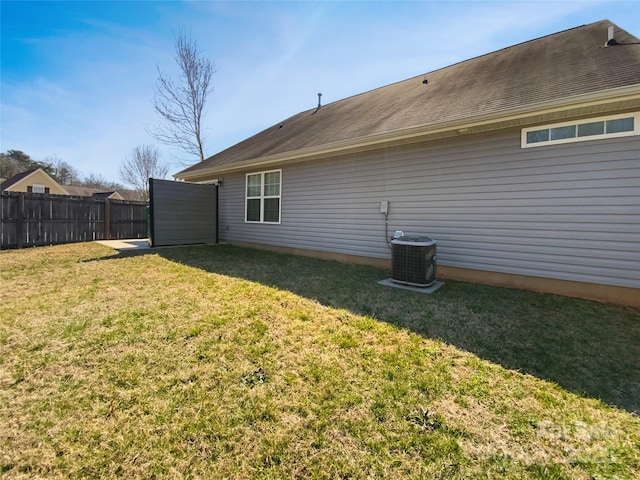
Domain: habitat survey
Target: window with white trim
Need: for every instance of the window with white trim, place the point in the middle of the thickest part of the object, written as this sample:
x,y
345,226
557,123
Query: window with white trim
x,y
582,130
262,203
37,188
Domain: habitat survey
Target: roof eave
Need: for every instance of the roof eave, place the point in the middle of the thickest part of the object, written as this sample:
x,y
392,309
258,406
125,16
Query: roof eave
x,y
619,98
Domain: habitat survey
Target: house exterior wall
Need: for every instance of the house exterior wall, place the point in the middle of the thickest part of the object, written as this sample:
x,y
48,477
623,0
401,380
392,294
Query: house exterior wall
x,y
565,212
37,178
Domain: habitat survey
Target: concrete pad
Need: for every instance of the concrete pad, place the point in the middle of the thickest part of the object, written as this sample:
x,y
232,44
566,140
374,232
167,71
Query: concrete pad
x,y
133,244
430,289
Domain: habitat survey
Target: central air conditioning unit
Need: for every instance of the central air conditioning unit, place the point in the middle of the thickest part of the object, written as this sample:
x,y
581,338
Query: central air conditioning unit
x,y
413,260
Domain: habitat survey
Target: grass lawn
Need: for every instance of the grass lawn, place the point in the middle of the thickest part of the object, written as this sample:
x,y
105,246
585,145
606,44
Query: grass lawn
x,y
221,362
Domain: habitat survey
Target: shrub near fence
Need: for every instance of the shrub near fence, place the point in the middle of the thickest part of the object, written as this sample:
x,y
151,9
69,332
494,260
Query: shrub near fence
x,y
32,219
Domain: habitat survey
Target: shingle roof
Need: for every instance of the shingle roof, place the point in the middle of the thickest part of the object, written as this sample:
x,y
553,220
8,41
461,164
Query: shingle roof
x,y
568,63
15,179
103,194
80,191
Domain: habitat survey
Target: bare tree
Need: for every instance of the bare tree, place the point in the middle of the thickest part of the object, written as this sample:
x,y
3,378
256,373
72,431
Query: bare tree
x,y
98,181
181,103
65,173
143,164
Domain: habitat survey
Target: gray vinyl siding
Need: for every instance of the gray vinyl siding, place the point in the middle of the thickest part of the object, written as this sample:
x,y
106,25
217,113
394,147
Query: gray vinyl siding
x,y
569,212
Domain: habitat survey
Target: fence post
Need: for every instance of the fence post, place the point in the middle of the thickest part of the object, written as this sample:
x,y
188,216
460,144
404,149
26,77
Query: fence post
x,y
20,220
107,219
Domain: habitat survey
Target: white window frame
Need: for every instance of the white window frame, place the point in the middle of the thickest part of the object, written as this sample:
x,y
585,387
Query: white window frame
x,y
262,197
38,188
635,131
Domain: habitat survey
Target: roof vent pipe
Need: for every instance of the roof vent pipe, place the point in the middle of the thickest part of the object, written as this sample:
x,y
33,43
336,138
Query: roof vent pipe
x,y
319,105
610,40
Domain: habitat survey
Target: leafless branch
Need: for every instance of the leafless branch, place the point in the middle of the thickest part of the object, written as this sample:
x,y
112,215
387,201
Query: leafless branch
x,y
180,104
143,164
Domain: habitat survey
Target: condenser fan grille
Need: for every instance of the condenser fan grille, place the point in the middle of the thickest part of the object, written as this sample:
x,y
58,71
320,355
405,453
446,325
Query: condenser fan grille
x,y
413,260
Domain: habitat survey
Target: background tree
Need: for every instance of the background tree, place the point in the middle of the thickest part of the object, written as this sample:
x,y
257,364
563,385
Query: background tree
x,y
181,103
63,172
13,162
9,166
98,181
143,164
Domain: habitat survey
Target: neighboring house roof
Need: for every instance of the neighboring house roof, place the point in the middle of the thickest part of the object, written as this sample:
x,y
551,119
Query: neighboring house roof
x,y
36,172
113,194
128,194
571,67
73,190
15,179
80,191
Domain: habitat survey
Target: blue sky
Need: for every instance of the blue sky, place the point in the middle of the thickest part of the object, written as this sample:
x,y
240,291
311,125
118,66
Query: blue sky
x,y
78,78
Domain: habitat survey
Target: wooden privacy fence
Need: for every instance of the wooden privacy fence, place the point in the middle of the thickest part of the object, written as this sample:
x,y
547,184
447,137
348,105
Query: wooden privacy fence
x,y
31,219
